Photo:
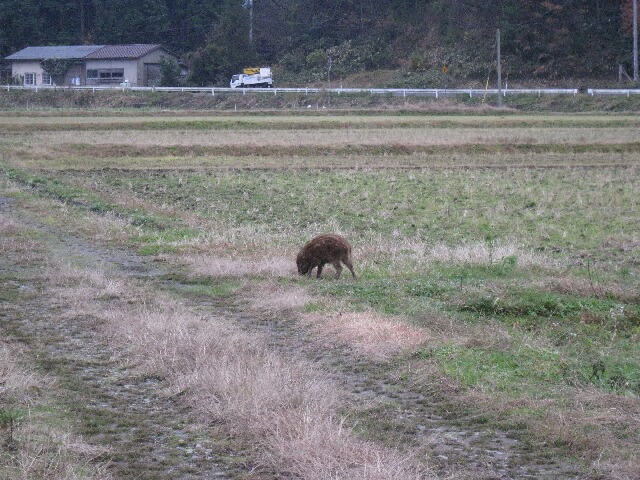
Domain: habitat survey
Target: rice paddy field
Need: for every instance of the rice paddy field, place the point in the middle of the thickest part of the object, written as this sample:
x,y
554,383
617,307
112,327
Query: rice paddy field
x,y
493,330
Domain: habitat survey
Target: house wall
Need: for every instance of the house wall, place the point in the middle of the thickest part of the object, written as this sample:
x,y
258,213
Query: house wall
x,y
136,70
19,69
144,71
75,75
131,70
149,66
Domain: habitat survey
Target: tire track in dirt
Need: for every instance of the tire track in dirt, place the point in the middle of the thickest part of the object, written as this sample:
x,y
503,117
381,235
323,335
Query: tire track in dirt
x,y
454,443
150,436
413,418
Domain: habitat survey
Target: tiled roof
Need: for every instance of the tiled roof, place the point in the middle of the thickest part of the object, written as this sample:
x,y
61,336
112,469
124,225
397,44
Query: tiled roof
x,y
85,51
66,52
123,51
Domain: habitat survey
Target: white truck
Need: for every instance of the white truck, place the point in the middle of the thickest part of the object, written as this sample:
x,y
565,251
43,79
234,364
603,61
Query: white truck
x,y
252,78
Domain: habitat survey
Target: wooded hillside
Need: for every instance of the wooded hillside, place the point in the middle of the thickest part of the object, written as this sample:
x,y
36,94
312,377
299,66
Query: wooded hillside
x,y
547,40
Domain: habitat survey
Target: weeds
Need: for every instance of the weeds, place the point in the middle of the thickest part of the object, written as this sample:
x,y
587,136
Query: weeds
x,y
9,419
470,236
281,406
31,446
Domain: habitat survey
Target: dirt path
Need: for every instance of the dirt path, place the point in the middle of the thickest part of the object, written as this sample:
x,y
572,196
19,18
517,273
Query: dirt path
x,y
152,436
395,411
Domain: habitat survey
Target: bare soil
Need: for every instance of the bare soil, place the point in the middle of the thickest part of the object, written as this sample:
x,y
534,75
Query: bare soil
x,y
153,435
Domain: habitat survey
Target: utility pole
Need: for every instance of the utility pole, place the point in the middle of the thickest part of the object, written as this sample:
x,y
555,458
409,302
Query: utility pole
x,y
499,69
635,40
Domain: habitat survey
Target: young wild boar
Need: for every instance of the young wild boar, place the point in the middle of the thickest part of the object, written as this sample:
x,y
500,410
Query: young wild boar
x,y
325,249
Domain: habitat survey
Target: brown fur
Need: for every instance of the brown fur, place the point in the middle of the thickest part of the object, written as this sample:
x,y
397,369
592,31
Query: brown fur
x,y
324,249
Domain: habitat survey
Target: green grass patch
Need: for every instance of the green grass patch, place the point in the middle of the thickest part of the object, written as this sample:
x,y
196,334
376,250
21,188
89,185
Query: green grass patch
x,y
387,294
499,151
157,232
514,373
519,258
307,121
536,205
528,303
530,306
204,285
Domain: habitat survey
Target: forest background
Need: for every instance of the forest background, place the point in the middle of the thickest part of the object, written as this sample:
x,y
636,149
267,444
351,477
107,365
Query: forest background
x,y
550,42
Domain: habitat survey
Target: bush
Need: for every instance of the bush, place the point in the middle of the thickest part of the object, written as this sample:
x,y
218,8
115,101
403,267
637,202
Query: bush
x,y
170,73
418,62
317,58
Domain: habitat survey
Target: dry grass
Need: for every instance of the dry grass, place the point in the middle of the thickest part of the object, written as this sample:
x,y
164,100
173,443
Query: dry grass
x,y
584,287
75,117
241,266
483,253
29,446
54,455
272,297
17,384
280,405
33,442
368,333
597,425
364,157
26,251
165,338
415,254
7,224
82,290
338,137
285,407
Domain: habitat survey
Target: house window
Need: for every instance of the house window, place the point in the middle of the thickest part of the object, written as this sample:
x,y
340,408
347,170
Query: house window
x,y
46,79
105,75
115,73
29,78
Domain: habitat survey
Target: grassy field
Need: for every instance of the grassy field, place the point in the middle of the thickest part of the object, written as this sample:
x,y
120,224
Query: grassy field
x,y
497,258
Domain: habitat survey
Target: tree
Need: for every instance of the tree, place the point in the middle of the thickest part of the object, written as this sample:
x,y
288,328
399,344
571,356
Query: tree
x,y
169,73
20,25
124,21
57,68
227,50
190,22
548,38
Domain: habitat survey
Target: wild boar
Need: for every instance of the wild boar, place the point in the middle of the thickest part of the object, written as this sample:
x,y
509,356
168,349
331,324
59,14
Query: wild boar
x,y
324,249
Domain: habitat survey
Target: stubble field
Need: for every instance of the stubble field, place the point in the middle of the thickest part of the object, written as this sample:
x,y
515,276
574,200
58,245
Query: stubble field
x,y
493,330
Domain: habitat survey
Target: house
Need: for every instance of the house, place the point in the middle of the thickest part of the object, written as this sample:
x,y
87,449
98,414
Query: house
x,y
136,65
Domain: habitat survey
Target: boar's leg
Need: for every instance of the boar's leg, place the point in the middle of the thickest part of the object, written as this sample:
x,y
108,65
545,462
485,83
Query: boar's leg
x,y
350,267
338,267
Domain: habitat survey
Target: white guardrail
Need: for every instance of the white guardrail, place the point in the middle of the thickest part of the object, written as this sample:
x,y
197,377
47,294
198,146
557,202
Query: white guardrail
x,y
613,91
403,92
